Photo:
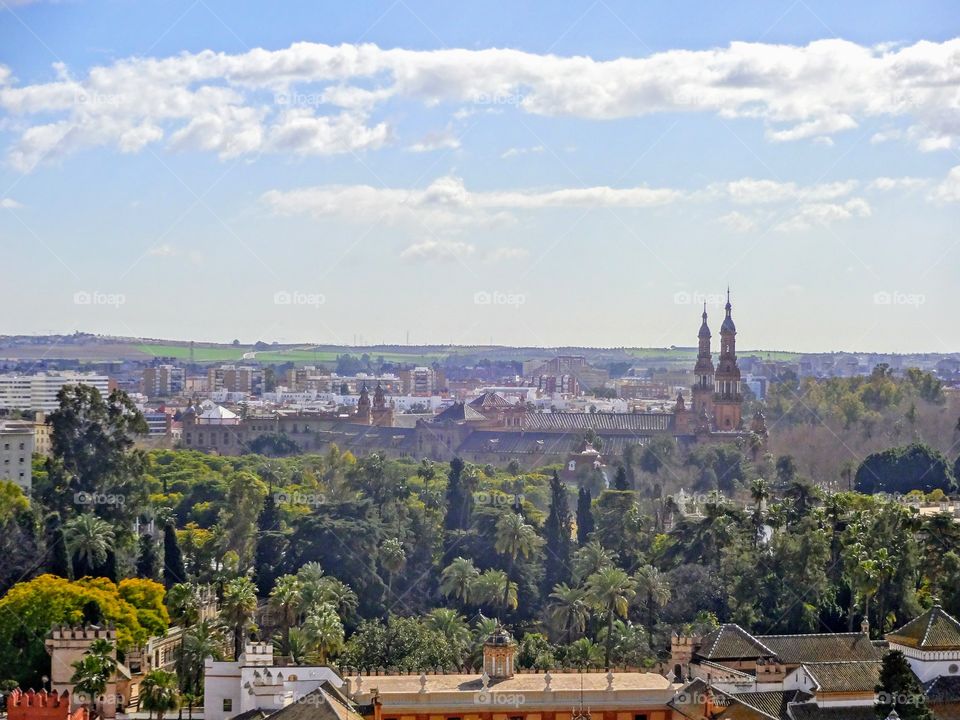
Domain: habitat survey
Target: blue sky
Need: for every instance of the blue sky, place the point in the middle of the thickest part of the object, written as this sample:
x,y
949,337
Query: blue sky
x,y
536,174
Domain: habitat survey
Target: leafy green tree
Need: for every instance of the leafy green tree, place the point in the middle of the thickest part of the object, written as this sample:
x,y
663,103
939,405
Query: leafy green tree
x,y
899,690
200,641
324,631
173,571
584,654
557,532
900,470
147,561
286,599
451,625
271,548
584,517
653,592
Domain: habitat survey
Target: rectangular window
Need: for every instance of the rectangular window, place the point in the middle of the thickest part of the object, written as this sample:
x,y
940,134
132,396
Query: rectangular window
x,y
227,705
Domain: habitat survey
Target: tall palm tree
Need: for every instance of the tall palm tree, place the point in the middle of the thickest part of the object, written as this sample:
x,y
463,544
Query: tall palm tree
x,y
286,599
590,559
237,608
654,592
611,591
200,641
514,538
94,671
158,693
393,558
89,539
759,493
568,610
324,631
338,594
298,646
457,579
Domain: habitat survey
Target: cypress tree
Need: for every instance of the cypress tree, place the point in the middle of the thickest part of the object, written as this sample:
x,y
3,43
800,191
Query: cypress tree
x,y
271,547
620,481
173,571
459,502
900,690
584,516
147,561
60,558
557,530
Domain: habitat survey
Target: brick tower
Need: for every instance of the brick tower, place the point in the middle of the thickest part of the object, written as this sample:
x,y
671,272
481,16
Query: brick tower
x,y
702,397
727,400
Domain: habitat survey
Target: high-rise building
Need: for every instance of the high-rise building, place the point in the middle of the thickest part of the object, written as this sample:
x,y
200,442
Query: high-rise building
x,y
163,381
233,378
39,391
16,450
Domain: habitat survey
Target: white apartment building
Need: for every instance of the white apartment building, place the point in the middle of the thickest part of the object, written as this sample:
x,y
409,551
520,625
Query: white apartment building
x,y
39,391
16,450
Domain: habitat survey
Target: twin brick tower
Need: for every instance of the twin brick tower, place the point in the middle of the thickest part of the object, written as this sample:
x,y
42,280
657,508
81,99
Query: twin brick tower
x,y
716,400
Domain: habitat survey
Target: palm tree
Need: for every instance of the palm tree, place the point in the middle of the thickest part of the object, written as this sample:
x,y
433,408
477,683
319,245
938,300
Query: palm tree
x,y
457,579
759,493
393,558
324,631
514,538
654,591
298,646
568,610
338,594
584,653
203,640
237,608
94,671
611,591
590,559
286,599
495,589
183,601
89,539
452,626
158,693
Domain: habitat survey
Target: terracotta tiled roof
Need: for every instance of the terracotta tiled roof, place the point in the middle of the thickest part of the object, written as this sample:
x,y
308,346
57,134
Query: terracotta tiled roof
x,y
943,689
732,642
810,711
316,705
633,422
458,413
763,704
823,647
934,630
845,676
490,400
528,683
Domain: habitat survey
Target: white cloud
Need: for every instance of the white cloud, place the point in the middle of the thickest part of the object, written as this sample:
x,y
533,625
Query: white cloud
x,y
750,191
312,98
505,254
949,189
885,184
737,222
437,250
163,251
515,151
9,204
436,141
885,136
824,214
447,203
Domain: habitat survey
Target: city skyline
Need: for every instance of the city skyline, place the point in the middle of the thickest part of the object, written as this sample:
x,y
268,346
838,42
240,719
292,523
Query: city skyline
x,y
584,177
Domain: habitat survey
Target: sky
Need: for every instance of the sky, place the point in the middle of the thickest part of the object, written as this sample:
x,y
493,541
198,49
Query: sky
x,y
542,173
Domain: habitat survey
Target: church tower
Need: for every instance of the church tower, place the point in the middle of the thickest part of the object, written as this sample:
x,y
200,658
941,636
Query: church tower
x,y
702,397
727,399
363,406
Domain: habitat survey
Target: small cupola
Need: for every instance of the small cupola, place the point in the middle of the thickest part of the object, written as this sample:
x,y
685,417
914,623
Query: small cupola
x,y
499,654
